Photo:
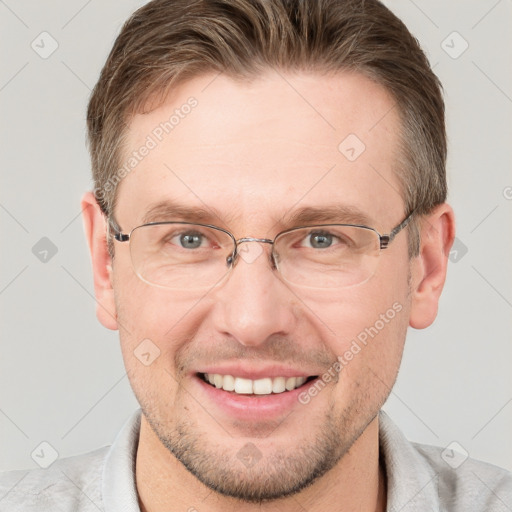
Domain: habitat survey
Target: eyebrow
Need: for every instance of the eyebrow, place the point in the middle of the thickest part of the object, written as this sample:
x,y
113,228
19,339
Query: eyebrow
x,y
169,210
333,214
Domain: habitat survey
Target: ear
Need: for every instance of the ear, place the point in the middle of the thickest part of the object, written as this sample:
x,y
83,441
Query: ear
x,y
96,234
437,232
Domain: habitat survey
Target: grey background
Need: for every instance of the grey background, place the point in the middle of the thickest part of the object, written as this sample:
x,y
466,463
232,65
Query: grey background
x,y
62,378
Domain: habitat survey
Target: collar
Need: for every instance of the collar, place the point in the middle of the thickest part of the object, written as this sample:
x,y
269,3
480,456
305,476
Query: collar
x,y
411,482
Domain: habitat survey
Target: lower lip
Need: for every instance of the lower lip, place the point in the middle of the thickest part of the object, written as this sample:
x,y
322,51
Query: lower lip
x,y
253,407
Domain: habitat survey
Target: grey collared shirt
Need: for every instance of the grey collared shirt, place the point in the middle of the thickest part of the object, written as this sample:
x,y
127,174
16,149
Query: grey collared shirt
x,y
419,478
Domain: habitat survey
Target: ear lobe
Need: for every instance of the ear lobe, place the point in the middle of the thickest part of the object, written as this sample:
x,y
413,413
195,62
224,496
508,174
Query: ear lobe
x,y
437,232
95,233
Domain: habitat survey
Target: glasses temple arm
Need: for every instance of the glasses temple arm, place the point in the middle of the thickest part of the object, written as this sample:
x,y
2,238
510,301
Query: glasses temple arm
x,y
116,230
385,240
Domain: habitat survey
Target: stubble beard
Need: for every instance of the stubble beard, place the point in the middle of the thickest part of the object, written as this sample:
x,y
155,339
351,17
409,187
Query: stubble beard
x,y
271,477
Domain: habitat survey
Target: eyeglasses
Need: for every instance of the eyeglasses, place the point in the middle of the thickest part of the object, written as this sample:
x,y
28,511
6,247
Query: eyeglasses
x,y
190,256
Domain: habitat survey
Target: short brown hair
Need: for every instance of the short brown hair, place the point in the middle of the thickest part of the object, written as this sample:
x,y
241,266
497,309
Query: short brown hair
x,y
167,42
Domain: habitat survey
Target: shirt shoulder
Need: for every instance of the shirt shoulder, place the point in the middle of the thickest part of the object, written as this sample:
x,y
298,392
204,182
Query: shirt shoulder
x,y
466,484
69,484
424,477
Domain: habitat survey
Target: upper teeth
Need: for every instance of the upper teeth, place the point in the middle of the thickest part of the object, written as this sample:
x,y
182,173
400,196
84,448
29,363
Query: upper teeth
x,y
263,386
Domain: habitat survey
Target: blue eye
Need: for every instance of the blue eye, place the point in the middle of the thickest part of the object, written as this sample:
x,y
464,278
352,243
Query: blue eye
x,y
320,240
191,240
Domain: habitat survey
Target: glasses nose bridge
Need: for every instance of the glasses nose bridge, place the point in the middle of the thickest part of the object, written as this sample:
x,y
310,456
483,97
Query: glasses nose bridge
x,y
252,239
233,259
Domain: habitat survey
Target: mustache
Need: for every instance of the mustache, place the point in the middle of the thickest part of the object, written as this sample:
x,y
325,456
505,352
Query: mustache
x,y
277,349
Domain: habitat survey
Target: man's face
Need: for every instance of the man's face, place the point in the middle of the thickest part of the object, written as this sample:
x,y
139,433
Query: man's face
x,y
252,155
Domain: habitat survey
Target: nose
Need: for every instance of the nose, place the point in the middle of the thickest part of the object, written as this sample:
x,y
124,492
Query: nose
x,y
253,303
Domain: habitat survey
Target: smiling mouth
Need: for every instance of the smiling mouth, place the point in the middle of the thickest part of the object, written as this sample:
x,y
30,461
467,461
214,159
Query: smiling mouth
x,y
264,386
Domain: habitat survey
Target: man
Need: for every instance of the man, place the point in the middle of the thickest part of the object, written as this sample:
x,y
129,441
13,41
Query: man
x,y
268,219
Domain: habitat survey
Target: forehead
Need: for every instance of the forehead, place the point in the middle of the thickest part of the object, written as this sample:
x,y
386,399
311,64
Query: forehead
x,y
252,152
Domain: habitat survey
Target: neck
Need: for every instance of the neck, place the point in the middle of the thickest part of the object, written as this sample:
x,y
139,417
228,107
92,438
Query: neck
x,y
357,482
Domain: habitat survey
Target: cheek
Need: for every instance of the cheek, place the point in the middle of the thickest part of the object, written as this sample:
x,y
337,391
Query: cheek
x,y
154,323
379,304
370,356
145,309
365,327
153,328
375,336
